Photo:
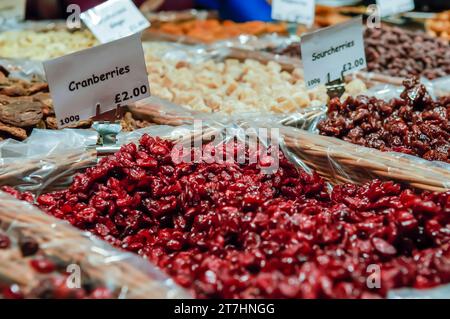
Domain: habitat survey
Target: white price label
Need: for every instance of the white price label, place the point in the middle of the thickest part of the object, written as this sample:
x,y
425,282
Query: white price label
x,y
332,52
299,11
12,9
393,7
108,75
114,19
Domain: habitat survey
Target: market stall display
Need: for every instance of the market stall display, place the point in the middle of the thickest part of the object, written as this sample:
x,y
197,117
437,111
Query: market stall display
x,y
326,15
233,178
199,27
23,106
231,230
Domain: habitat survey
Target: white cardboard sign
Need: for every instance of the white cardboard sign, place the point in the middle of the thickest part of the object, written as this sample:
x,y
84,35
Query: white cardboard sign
x,y
393,7
114,19
299,11
108,75
332,52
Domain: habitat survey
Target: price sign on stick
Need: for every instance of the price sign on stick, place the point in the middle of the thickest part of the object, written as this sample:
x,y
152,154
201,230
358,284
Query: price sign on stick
x,y
392,7
12,9
106,76
114,19
299,11
330,53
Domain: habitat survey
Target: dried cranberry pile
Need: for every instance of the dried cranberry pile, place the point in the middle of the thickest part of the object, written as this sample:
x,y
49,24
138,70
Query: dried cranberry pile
x,y
49,273
228,230
413,124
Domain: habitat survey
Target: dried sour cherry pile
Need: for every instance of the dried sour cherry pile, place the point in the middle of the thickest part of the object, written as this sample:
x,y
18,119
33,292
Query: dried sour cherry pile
x,y
413,124
229,231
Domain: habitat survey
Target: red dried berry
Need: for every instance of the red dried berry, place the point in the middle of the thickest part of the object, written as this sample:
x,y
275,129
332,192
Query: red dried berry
x,y
12,292
28,246
5,242
101,293
43,265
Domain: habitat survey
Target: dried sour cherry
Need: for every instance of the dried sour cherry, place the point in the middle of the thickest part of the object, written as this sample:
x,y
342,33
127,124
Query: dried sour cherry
x,y
414,124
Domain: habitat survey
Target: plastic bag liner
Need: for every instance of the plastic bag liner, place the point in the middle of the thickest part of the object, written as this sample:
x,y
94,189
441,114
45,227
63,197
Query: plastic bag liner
x,y
123,274
333,159
342,162
47,160
441,292
24,69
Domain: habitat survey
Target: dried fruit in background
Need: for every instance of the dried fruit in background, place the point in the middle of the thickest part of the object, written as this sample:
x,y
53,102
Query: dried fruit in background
x,y
413,124
397,52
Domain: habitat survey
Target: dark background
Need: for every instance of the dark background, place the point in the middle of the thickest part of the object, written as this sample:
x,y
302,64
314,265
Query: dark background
x,y
239,10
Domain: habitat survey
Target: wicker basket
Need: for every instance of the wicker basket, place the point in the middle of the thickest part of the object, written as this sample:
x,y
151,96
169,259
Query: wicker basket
x,y
342,162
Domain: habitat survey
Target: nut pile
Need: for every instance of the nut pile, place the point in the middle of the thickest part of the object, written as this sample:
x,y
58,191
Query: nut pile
x,y
45,44
413,124
233,86
46,277
227,230
397,52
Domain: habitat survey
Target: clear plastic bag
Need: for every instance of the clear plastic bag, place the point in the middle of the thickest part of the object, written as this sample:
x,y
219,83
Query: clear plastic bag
x,y
24,69
47,160
441,292
85,266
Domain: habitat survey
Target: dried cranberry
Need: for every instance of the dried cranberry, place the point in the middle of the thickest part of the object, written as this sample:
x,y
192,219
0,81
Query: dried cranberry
x,y
12,292
101,293
5,242
28,246
43,265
